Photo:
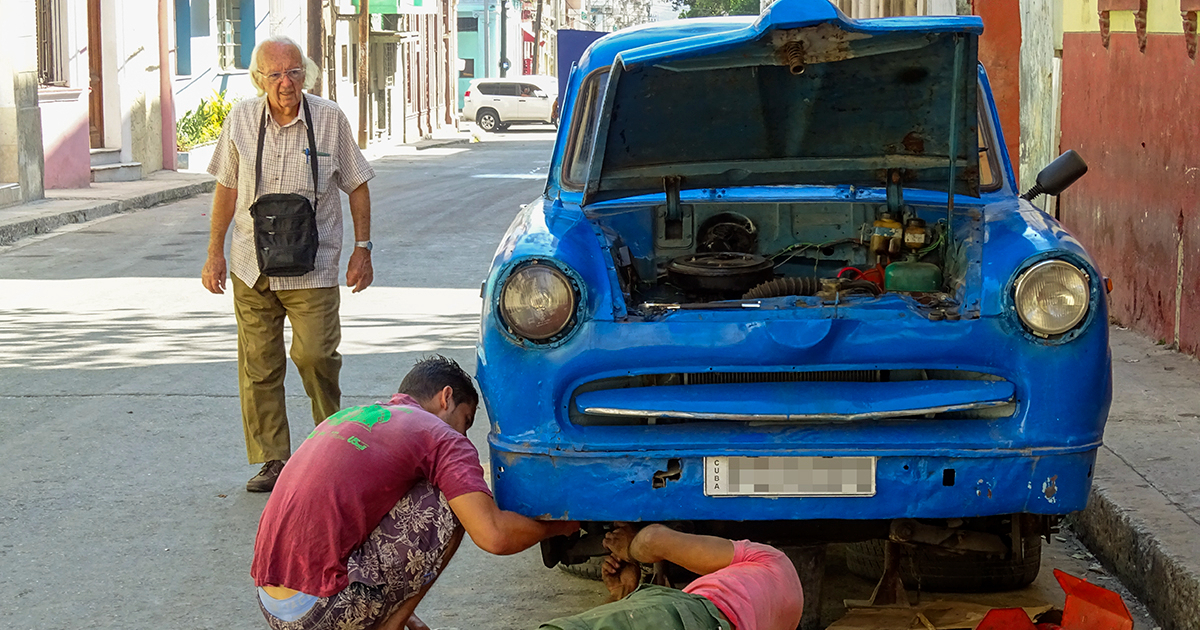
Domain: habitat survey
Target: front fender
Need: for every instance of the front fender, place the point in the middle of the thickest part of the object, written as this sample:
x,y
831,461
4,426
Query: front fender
x,y
560,235
1017,234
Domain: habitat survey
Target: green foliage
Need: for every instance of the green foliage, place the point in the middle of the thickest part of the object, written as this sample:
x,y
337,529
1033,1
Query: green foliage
x,y
202,124
708,8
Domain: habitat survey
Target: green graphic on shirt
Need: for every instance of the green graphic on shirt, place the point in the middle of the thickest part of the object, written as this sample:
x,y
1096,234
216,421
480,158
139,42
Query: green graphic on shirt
x,y
368,416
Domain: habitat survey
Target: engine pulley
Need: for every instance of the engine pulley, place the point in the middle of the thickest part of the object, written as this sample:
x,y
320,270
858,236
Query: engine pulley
x,y
719,275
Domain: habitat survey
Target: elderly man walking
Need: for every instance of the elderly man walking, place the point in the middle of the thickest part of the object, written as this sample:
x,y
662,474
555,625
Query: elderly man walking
x,y
287,243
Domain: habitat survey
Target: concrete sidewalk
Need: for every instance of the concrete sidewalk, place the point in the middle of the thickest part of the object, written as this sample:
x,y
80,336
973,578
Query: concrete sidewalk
x,y
1143,518
79,205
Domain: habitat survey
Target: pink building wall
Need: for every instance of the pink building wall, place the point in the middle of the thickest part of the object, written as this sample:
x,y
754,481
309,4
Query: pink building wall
x,y
65,138
1131,112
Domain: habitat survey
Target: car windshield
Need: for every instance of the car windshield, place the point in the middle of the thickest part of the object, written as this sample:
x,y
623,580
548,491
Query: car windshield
x,y
583,138
587,113
989,164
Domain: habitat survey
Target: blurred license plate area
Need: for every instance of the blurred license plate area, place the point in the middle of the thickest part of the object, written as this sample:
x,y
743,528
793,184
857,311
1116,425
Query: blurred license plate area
x,y
789,476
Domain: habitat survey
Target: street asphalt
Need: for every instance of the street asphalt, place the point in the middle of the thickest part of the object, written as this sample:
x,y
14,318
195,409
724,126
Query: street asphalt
x,y
128,342
122,500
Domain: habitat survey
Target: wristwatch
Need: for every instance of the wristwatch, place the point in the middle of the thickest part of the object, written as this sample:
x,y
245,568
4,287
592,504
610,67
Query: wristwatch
x,y
363,244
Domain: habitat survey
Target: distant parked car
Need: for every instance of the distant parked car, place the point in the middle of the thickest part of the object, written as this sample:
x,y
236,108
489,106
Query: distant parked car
x,y
494,104
781,285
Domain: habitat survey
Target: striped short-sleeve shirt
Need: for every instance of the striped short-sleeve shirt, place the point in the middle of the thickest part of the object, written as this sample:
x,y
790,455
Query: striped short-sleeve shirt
x,y
285,169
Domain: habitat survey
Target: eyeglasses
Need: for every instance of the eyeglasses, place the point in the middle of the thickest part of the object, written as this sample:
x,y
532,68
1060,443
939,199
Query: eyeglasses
x,y
295,74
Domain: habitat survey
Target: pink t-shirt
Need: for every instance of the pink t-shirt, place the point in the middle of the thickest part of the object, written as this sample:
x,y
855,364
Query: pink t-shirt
x,y
346,476
759,590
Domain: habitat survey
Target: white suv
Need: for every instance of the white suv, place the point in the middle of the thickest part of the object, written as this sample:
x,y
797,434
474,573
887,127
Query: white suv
x,y
497,103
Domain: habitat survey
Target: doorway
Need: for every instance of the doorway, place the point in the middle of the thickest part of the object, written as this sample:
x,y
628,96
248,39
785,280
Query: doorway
x,y
95,80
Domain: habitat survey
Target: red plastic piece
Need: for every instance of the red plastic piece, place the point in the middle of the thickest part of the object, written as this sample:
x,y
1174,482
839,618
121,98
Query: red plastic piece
x,y
1006,619
1088,607
874,274
1091,607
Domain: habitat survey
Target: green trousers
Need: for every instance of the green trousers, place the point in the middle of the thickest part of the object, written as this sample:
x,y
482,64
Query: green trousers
x,y
262,362
650,607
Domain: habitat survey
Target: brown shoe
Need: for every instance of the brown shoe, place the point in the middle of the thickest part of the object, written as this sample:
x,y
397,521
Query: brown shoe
x,y
264,481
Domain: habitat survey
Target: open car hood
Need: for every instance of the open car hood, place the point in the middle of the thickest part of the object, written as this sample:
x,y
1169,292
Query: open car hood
x,y
804,95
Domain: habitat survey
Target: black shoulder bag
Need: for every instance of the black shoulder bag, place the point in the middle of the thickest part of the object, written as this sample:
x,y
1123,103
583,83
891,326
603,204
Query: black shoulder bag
x,y
285,224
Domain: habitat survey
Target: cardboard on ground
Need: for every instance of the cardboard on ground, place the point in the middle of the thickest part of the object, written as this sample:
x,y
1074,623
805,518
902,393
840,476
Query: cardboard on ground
x,y
939,615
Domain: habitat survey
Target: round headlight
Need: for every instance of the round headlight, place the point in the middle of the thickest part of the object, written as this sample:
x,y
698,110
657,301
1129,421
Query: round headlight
x,y
537,302
1052,297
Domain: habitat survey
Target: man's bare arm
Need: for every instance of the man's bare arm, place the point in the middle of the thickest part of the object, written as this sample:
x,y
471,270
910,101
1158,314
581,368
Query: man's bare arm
x,y
501,532
359,272
215,270
696,553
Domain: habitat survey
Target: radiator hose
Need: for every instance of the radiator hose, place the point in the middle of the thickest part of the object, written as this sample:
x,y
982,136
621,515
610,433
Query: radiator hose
x,y
783,287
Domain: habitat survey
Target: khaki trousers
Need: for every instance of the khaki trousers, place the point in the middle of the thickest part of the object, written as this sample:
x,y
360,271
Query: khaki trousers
x,y
262,364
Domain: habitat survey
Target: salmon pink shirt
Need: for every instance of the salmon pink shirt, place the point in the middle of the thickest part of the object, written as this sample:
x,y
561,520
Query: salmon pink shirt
x,y
759,590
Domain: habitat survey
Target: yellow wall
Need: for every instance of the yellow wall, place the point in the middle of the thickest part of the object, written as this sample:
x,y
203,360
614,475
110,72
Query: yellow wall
x,y
1082,16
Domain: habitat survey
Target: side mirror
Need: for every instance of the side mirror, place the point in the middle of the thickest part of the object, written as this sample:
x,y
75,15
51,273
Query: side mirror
x,y
1058,175
540,94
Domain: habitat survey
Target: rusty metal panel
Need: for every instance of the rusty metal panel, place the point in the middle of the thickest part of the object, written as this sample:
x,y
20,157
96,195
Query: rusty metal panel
x,y
1000,54
1138,209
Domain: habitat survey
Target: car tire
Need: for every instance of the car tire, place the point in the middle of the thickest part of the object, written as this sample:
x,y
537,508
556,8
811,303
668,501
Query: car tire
x,y
588,570
488,120
938,570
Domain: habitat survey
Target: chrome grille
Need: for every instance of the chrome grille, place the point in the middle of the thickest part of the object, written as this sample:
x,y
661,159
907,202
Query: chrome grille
x,y
722,378
725,378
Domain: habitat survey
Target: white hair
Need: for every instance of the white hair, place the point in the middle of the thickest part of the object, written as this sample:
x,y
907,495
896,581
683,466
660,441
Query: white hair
x,y
311,70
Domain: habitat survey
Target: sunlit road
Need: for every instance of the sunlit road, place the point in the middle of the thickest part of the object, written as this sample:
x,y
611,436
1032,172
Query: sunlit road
x,y
122,462
121,499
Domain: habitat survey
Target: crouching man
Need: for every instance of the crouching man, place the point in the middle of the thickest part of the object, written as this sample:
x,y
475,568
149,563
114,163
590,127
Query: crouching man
x,y
742,585
373,504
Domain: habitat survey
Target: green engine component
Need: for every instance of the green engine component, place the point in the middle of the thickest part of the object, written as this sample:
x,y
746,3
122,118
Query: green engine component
x,y
913,276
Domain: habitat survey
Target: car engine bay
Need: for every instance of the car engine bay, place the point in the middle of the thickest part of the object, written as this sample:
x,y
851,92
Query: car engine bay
x,y
715,255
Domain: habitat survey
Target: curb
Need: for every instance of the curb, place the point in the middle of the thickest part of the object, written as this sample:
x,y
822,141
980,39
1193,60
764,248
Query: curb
x,y
15,230
21,228
1145,540
444,142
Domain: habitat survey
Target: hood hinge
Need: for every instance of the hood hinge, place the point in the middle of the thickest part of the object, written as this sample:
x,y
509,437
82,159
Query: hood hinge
x,y
674,219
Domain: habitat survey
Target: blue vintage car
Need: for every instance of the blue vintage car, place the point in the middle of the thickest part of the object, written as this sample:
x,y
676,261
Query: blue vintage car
x,y
781,284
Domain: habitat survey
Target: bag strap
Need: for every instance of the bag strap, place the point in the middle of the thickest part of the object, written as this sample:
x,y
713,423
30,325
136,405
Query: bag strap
x,y
312,147
262,133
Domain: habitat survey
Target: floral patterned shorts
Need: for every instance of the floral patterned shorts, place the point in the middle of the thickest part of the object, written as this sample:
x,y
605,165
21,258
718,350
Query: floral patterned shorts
x,y
401,556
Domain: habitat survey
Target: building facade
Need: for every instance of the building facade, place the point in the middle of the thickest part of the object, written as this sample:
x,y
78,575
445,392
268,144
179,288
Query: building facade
x,y
1130,89
409,51
213,39
102,89
21,162
97,85
524,33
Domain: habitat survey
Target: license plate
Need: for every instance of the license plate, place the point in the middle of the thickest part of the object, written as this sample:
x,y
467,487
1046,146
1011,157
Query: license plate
x,y
789,476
